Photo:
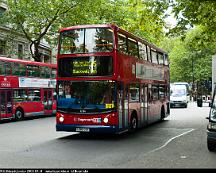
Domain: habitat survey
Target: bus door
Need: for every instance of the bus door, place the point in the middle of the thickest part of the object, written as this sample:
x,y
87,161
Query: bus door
x,y
48,101
144,105
5,104
123,106
151,105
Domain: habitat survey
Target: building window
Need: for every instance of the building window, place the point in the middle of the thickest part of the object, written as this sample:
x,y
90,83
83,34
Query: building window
x,y
2,10
46,58
2,47
20,51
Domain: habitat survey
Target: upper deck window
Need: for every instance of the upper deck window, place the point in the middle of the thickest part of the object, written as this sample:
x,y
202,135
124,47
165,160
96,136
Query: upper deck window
x,y
166,61
5,68
19,69
149,54
53,73
122,43
132,47
154,57
86,40
142,51
45,72
33,71
160,58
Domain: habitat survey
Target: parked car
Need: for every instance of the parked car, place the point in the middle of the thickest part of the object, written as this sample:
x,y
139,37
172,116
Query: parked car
x,y
211,127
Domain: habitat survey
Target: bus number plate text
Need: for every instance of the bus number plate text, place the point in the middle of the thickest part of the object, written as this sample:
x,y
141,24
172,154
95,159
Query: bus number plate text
x,y
82,129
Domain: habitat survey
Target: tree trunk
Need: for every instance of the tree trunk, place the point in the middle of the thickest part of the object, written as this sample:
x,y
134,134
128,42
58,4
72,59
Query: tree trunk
x,y
36,55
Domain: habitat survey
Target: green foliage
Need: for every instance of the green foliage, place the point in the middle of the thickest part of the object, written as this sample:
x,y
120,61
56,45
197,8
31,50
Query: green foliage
x,y
196,30
145,19
35,18
190,56
196,12
42,19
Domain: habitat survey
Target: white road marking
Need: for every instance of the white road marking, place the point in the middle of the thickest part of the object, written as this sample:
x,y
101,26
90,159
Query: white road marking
x,y
170,141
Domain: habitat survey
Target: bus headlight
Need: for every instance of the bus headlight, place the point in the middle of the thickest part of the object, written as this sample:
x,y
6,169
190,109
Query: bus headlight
x,y
105,120
61,119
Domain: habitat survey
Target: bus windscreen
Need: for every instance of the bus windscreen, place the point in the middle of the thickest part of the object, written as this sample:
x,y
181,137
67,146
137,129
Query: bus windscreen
x,y
88,96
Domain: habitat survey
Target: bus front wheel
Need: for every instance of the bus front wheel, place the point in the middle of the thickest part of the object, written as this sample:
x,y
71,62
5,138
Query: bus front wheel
x,y
19,114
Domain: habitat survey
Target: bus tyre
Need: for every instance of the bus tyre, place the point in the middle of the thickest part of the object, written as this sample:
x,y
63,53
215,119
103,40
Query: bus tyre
x,y
19,114
133,123
211,145
162,114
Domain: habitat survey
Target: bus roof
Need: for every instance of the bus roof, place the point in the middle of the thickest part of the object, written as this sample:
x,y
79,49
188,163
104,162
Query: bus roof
x,y
27,62
181,83
115,27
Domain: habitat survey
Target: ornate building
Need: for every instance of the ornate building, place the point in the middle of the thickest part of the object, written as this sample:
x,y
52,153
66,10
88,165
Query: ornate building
x,y
15,45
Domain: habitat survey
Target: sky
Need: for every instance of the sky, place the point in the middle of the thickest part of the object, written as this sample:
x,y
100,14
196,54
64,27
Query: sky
x,y
171,21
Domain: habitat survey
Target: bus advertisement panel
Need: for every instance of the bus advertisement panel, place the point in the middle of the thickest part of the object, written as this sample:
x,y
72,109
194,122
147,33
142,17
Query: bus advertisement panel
x,y
109,81
26,88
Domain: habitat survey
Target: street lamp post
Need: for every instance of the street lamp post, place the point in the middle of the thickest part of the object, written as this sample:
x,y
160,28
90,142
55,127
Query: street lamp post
x,y
193,85
192,73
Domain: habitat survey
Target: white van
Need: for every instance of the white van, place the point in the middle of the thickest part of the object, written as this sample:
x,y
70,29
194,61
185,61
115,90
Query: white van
x,y
179,96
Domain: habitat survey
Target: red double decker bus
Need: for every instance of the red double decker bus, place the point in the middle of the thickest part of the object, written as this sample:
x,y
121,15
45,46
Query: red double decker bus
x,y
27,88
109,80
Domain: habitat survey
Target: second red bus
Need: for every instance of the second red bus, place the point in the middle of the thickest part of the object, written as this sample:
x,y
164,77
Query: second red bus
x,y
27,88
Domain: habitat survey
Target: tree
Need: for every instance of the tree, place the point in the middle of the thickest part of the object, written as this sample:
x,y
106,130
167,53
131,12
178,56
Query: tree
x,y
196,12
35,18
195,30
190,58
146,18
42,19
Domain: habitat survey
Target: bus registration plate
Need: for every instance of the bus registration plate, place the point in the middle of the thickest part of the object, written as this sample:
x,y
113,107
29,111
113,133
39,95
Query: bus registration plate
x,y
82,129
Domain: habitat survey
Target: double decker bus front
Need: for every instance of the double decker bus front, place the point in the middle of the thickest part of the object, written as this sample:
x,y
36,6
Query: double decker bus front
x,y
86,90
86,106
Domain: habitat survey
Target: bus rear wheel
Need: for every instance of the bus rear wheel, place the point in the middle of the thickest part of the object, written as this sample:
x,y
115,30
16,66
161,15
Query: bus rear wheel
x,y
19,114
133,123
162,114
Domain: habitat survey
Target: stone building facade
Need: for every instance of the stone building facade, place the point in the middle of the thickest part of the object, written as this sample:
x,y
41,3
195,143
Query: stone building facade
x,y
15,45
